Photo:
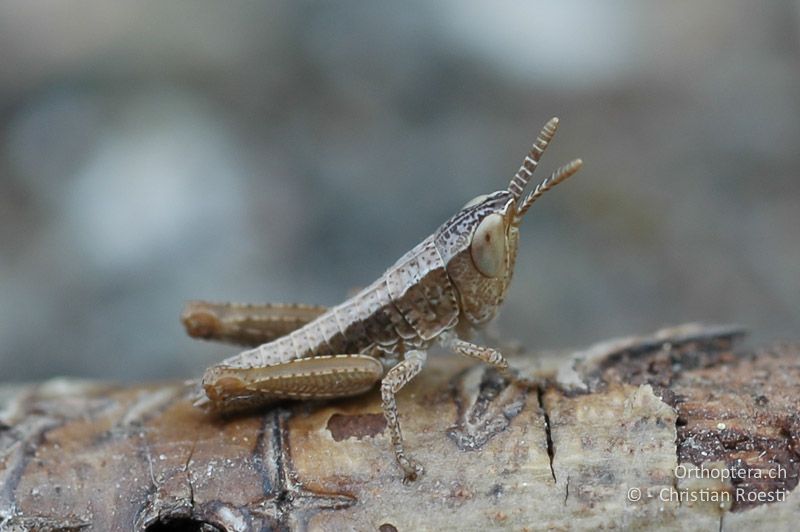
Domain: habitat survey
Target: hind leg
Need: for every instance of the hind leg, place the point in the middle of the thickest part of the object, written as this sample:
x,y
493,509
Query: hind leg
x,y
230,388
244,324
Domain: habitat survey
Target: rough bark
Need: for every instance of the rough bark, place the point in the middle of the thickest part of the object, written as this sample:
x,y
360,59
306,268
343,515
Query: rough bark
x,y
626,415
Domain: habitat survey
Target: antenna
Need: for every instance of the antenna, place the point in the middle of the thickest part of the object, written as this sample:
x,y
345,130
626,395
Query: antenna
x,y
555,178
523,175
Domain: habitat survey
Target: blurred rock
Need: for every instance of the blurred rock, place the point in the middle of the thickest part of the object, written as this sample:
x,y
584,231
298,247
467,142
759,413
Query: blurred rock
x,y
292,151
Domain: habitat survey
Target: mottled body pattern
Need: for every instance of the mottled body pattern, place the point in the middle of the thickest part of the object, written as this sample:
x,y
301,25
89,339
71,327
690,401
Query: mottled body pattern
x,y
452,281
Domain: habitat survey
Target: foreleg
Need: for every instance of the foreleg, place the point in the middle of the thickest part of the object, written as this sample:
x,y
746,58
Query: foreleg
x,y
487,355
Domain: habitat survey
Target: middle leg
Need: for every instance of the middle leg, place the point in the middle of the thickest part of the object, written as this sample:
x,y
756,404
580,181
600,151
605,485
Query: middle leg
x,y
395,379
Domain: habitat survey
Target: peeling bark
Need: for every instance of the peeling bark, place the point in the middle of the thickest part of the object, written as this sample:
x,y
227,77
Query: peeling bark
x,y
681,412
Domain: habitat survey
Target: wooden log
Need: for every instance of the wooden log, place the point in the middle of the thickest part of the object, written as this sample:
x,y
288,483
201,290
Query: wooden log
x,y
679,430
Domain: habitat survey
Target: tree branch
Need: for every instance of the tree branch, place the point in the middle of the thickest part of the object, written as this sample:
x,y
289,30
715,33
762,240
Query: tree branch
x,y
623,420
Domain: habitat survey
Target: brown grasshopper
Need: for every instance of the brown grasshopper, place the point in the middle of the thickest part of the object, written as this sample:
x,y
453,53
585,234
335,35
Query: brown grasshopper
x,y
449,284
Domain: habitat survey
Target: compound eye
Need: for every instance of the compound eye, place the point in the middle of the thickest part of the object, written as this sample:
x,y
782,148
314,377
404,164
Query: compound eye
x,y
475,201
488,247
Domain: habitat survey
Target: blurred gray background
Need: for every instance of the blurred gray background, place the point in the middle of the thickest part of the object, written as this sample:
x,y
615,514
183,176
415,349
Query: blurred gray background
x,y
155,152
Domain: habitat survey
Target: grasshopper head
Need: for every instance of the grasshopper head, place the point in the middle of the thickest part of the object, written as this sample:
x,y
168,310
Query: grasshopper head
x,y
479,244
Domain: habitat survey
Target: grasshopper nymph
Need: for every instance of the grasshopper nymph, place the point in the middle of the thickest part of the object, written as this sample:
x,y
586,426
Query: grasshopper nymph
x,y
451,282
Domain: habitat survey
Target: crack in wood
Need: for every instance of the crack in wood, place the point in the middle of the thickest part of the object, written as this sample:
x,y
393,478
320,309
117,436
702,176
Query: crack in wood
x,y
288,504
551,450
